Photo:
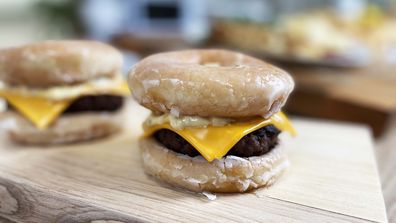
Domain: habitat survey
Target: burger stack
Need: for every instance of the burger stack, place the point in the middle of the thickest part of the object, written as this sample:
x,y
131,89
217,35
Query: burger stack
x,y
61,91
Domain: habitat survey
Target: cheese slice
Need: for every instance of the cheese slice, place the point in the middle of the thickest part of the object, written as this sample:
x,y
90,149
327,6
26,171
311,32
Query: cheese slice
x,y
43,111
40,111
122,89
214,142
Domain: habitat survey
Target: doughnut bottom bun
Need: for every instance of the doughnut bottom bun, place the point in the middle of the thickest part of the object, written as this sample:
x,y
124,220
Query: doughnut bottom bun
x,y
66,129
228,175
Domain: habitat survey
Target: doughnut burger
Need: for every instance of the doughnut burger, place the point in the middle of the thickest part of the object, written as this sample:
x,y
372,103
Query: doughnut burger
x,y
215,119
61,91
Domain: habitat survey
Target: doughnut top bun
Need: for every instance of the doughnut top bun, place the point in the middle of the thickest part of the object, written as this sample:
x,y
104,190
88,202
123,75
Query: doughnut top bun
x,y
209,83
49,63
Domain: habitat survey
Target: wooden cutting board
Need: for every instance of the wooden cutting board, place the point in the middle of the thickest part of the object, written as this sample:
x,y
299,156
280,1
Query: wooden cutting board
x,y
332,178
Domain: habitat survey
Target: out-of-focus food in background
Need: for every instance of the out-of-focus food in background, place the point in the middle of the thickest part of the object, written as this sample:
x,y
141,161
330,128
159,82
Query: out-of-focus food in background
x,y
352,33
319,36
61,92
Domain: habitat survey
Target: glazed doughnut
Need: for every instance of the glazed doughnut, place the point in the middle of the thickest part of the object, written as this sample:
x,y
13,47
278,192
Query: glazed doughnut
x,y
49,63
229,174
67,129
217,83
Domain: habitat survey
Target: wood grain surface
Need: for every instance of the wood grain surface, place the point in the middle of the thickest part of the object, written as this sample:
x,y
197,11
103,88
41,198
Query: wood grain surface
x,y
332,178
386,159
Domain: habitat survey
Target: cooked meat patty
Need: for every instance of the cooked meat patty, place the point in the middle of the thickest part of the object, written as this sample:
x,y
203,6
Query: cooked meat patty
x,y
256,143
96,103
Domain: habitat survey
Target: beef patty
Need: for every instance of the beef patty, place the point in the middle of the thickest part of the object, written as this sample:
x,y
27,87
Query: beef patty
x,y
256,143
96,103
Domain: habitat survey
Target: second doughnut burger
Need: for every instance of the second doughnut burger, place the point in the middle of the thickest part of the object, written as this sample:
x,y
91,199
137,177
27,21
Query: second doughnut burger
x,y
61,91
215,119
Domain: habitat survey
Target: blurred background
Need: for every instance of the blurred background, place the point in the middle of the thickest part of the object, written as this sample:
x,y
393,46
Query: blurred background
x,y
342,54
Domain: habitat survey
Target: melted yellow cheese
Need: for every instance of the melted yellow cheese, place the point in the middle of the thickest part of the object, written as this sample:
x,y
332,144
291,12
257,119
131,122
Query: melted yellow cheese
x,y
40,111
213,142
43,111
122,89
